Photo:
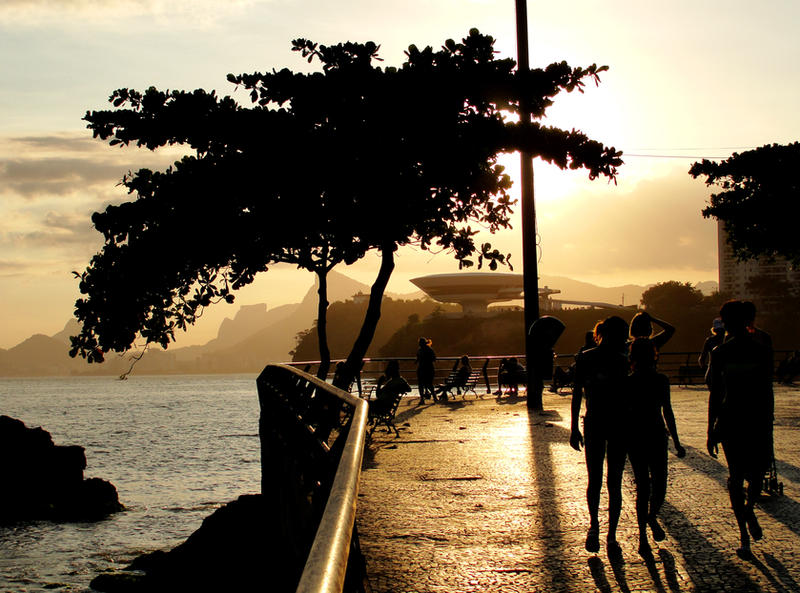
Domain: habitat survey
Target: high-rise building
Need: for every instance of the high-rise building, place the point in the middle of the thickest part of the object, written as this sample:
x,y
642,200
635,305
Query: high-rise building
x,y
734,274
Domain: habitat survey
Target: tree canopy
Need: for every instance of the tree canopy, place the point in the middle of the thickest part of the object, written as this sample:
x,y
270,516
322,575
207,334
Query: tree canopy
x,y
320,169
671,295
759,190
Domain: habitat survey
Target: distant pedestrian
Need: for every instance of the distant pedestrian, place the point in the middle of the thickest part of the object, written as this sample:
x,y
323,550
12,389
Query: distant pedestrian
x,y
426,369
715,339
650,421
600,377
740,415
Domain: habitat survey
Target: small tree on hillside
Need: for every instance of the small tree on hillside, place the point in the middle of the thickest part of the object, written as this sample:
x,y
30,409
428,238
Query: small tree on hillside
x,y
321,169
759,190
672,295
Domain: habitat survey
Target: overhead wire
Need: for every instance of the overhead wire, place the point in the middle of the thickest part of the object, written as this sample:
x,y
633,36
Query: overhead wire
x,y
638,152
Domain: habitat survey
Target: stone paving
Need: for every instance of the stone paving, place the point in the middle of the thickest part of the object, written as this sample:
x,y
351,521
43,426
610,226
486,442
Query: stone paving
x,y
480,495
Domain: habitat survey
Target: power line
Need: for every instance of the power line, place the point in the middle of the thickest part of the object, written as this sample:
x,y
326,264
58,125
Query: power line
x,y
638,152
674,156
698,148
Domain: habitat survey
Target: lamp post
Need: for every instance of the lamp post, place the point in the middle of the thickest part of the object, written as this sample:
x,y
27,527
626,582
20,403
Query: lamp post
x,y
530,271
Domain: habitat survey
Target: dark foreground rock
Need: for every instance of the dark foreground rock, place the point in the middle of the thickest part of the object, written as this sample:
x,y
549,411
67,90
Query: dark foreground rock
x,y
236,548
42,480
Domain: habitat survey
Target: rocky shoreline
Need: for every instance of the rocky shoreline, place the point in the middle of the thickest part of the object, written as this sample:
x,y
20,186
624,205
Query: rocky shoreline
x,y
45,481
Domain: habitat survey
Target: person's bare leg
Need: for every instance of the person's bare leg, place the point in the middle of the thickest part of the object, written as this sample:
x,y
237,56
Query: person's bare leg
x,y
594,450
736,494
642,477
616,466
658,472
753,492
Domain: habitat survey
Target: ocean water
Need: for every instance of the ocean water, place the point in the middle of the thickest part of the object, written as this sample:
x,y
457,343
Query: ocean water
x,y
175,447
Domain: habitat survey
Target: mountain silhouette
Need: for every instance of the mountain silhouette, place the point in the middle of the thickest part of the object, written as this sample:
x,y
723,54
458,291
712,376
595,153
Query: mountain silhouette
x,y
253,337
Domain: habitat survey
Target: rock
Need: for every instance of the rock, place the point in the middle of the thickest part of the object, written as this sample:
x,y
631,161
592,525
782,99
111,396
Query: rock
x,y
118,582
236,548
42,480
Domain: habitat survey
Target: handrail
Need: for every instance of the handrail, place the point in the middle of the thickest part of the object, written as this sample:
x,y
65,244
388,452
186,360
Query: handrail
x,y
326,566
316,453
670,363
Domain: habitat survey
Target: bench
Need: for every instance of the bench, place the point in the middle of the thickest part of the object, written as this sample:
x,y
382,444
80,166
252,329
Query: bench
x,y
461,387
380,414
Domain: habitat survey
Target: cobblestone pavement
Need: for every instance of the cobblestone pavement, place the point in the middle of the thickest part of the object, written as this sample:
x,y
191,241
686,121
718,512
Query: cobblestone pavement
x,y
480,495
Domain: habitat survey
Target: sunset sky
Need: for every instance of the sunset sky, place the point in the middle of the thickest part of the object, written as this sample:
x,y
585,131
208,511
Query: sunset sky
x,y
686,79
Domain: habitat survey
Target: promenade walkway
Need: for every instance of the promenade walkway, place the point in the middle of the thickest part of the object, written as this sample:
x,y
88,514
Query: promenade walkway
x,y
483,496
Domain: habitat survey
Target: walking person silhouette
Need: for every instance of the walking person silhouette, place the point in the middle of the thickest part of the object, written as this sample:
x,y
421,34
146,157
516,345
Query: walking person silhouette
x,y
600,376
426,370
649,409
740,415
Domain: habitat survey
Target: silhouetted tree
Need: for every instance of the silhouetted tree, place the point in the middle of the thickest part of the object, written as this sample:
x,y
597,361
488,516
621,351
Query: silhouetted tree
x,y
321,169
344,320
672,295
760,189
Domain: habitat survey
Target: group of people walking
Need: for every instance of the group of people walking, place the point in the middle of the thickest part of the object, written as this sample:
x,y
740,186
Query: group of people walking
x,y
628,415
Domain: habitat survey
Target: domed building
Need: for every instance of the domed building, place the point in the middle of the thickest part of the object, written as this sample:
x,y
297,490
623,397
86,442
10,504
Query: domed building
x,y
475,291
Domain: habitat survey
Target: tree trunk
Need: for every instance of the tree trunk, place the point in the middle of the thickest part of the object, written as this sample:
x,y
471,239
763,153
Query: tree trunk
x,y
356,357
322,325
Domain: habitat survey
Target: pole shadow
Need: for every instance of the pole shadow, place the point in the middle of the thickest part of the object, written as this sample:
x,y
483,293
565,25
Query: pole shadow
x,y
542,435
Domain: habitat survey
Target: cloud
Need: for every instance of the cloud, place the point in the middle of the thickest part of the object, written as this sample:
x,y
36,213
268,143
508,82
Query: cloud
x,y
10,267
656,226
57,142
57,165
182,13
55,176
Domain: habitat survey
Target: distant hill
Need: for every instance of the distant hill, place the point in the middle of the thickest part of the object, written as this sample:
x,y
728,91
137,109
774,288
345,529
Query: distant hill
x,y
255,336
627,294
574,290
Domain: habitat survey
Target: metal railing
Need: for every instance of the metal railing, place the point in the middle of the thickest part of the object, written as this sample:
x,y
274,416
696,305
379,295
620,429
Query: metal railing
x,y
682,368
312,440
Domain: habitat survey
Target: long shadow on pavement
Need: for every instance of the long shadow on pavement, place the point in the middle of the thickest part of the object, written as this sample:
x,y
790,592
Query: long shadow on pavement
x,y
700,555
698,552
787,470
544,482
781,572
782,508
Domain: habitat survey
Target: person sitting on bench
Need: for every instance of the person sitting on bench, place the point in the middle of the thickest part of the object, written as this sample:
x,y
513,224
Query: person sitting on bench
x,y
389,388
510,375
456,380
